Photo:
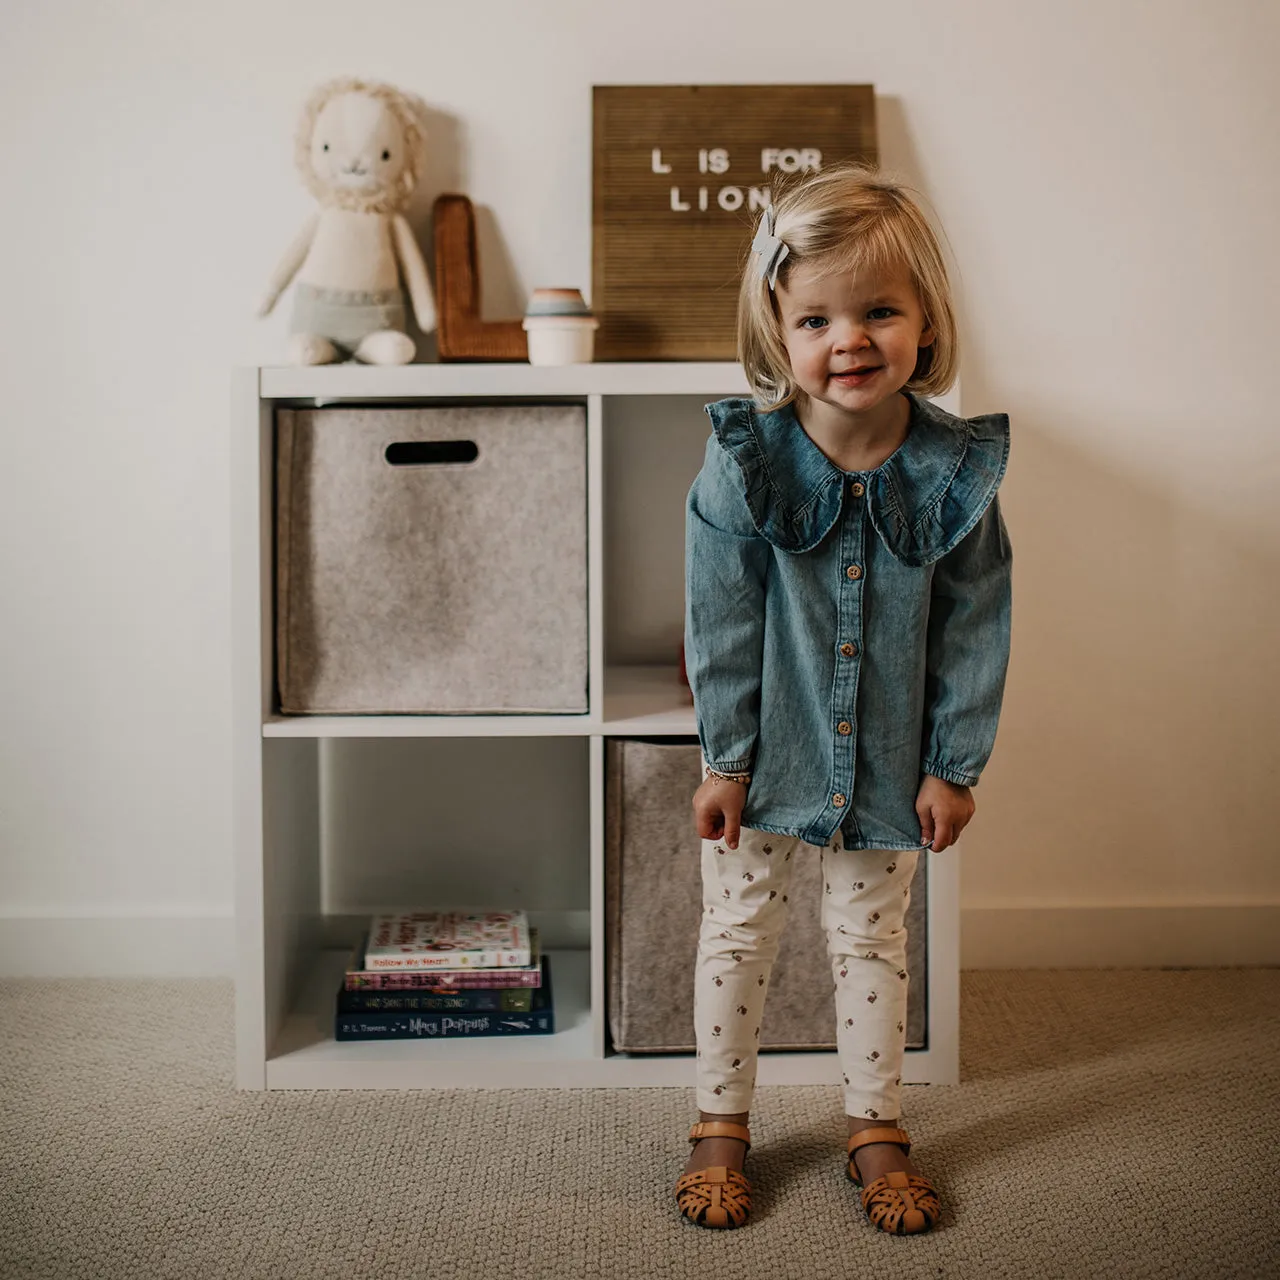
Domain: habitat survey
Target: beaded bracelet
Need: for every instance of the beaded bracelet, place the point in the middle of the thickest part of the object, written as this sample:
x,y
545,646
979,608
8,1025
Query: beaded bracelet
x,y
744,778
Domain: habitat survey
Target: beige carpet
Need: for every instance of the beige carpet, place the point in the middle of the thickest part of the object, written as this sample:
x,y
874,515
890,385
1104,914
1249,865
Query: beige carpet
x,y
1109,1124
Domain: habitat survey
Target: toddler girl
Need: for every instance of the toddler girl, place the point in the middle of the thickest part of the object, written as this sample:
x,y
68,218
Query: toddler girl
x,y
847,634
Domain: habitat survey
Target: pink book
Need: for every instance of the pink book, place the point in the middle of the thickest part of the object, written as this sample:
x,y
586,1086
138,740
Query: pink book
x,y
360,978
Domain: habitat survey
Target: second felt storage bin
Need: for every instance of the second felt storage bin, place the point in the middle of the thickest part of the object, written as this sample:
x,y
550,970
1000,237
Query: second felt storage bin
x,y
653,888
432,560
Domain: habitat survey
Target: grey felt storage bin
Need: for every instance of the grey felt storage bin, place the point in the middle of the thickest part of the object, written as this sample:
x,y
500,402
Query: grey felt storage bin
x,y
432,560
653,903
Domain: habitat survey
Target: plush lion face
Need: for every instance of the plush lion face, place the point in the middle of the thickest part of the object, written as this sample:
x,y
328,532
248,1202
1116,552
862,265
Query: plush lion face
x,y
358,146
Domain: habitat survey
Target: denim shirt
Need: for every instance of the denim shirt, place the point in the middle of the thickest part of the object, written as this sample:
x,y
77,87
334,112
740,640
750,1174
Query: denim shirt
x,y
847,632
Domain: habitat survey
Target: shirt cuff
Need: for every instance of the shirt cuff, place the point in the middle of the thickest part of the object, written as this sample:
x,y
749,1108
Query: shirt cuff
x,y
948,774
730,766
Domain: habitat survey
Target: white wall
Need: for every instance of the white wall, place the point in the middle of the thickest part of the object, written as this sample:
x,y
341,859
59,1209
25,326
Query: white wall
x,y
1107,176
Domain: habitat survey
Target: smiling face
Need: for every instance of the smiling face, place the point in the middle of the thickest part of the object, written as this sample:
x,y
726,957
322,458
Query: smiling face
x,y
357,145
852,341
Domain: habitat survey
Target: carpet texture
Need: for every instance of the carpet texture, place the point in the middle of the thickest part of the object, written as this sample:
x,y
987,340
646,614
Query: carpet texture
x,y
1119,1124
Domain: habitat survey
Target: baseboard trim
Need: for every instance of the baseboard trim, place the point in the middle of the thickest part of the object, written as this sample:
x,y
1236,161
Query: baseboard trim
x,y
1155,937
203,946
176,945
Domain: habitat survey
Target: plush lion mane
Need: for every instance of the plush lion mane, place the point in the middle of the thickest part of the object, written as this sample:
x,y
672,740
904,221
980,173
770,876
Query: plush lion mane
x,y
388,199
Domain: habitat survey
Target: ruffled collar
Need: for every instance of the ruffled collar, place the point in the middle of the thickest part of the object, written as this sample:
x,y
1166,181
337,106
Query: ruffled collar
x,y
922,499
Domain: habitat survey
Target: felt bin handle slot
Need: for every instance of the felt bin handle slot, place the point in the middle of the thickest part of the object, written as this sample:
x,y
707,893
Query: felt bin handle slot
x,y
431,453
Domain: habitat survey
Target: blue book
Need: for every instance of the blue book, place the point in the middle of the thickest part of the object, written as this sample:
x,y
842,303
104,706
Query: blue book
x,y
451,1025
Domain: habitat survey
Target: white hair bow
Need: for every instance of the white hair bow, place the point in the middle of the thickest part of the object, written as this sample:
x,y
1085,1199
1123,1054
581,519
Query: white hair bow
x,y
771,250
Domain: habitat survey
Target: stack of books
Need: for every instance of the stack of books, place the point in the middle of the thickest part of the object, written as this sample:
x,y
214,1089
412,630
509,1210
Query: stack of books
x,y
436,975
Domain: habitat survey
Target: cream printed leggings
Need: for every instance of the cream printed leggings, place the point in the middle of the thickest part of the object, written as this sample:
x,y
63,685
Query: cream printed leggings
x,y
744,907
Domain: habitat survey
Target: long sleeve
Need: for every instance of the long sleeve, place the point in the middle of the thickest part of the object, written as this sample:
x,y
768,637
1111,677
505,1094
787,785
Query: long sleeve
x,y
968,651
726,566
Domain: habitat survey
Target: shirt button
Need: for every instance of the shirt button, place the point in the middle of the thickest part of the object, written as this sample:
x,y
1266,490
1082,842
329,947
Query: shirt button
x,y
854,571
844,728
848,649
856,489
838,800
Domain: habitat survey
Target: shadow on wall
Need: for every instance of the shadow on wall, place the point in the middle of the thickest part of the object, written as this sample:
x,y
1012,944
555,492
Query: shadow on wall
x,y
1133,762
1137,742
502,294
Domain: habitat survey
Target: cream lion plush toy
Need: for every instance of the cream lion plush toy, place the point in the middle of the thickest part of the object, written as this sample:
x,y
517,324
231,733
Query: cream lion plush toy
x,y
359,150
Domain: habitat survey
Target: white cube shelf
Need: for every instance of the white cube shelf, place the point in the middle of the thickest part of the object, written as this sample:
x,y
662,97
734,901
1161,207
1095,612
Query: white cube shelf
x,y
288,965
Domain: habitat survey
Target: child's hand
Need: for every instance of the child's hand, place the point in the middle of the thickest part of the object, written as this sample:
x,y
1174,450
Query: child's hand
x,y
944,810
717,806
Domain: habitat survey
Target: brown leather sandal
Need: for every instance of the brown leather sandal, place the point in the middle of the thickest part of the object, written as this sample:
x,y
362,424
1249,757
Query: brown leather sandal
x,y
717,1197
899,1203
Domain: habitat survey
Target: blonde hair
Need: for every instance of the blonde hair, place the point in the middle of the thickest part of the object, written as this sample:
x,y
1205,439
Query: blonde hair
x,y
850,217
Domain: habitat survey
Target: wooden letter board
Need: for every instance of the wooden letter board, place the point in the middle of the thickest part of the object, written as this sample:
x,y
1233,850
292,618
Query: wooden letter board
x,y
681,174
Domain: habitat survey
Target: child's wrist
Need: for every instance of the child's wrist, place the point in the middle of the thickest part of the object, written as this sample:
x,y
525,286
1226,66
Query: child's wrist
x,y
744,778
